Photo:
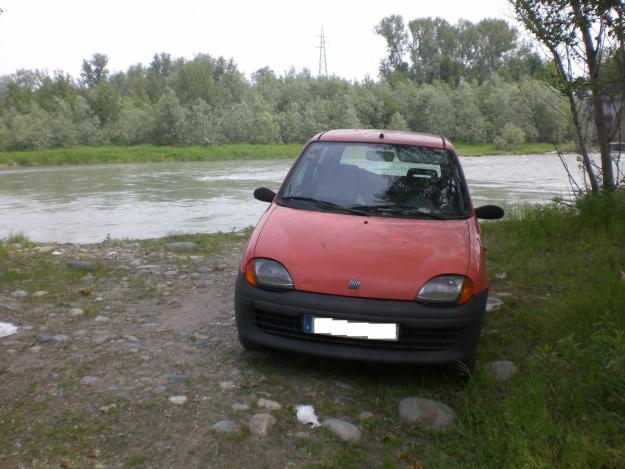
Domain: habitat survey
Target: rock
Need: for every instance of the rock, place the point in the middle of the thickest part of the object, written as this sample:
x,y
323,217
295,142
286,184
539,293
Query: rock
x,y
44,249
132,246
365,415
203,269
88,278
226,426
88,379
160,389
131,338
134,263
60,338
99,340
176,377
344,430
20,294
35,348
260,424
268,404
493,303
502,370
179,400
240,407
74,312
501,275
227,385
181,246
43,338
431,414
78,264
40,293
100,318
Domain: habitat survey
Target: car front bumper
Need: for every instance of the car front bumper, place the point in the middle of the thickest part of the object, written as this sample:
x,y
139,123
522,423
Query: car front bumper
x,y
427,334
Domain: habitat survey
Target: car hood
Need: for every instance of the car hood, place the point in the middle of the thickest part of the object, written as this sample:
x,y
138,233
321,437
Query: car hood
x,y
391,257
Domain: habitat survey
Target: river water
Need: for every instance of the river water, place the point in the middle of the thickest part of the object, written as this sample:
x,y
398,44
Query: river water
x,y
87,203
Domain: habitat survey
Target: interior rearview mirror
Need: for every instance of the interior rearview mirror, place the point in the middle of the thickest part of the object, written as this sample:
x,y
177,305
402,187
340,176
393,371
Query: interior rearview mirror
x,y
264,195
489,212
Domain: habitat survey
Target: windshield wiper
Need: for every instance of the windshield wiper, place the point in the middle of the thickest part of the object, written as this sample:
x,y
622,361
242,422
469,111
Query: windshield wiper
x,y
399,210
325,204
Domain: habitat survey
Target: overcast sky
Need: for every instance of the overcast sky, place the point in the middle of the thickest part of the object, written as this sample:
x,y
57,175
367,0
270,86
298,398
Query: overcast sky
x,y
55,35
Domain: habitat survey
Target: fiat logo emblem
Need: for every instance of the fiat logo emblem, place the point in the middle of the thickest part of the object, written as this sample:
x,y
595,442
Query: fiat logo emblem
x,y
354,284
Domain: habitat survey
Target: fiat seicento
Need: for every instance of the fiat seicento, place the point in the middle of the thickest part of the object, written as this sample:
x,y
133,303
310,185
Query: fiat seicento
x,y
370,250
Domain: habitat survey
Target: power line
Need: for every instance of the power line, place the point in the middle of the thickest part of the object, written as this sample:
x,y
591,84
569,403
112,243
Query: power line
x,y
323,61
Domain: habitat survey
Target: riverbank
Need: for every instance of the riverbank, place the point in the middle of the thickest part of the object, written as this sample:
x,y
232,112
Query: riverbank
x,y
153,153
130,358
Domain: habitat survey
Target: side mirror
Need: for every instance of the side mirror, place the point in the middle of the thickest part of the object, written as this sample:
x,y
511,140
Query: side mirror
x,y
264,195
489,212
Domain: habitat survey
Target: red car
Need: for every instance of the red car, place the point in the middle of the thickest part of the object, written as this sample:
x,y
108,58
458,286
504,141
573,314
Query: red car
x,y
370,250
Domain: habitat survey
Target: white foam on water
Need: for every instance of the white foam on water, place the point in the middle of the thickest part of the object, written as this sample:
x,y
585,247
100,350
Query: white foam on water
x,y
7,329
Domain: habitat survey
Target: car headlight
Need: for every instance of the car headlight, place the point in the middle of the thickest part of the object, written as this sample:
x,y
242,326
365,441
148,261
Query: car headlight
x,y
262,272
456,289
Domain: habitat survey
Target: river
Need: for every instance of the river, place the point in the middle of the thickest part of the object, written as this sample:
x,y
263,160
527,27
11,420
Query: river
x,y
87,203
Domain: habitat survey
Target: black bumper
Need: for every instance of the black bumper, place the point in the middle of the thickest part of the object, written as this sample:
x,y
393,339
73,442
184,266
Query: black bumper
x,y
427,334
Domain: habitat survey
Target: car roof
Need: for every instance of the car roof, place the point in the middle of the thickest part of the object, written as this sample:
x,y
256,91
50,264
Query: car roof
x,y
383,136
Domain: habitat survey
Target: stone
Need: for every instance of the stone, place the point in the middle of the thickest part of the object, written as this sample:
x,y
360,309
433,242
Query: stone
x,y
365,415
344,430
203,270
99,340
493,303
43,338
134,263
227,385
268,404
260,424
88,379
88,278
226,426
131,338
100,318
501,275
20,294
431,414
502,370
181,246
40,293
78,264
60,338
176,377
74,312
178,400
240,407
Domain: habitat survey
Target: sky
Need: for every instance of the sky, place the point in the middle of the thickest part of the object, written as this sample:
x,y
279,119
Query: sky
x,y
58,35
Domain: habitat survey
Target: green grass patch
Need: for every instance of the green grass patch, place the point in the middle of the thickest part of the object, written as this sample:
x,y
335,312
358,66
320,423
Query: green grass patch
x,y
153,153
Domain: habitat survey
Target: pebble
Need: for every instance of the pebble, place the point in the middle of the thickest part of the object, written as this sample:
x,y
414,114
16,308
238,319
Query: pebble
x,y
227,385
100,318
182,246
35,348
60,338
493,303
80,264
240,407
88,278
226,426
43,338
20,294
501,275
268,404
176,377
134,263
502,370
431,414
344,430
131,338
365,415
179,400
203,269
88,379
100,339
76,312
160,389
260,424
40,293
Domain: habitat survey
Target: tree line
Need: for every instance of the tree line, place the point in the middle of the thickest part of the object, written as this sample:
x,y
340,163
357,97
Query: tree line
x,y
487,90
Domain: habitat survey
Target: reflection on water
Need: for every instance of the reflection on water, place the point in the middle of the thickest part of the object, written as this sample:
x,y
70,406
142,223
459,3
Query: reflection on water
x,y
87,203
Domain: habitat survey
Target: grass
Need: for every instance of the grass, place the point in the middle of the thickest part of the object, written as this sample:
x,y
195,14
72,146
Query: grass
x,y
153,153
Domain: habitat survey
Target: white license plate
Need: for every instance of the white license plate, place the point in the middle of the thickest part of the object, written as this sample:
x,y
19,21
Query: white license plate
x,y
356,330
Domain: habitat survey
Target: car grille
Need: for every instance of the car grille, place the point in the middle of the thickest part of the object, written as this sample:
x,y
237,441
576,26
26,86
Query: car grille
x,y
410,338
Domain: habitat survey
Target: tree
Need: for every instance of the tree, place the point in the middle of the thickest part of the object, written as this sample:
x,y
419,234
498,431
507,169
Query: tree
x,y
393,31
94,71
580,35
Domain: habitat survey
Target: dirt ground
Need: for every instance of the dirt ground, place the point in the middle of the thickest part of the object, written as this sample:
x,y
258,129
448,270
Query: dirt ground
x,y
104,343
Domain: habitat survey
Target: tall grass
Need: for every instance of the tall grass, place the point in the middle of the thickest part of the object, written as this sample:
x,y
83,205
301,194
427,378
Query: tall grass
x,y
565,327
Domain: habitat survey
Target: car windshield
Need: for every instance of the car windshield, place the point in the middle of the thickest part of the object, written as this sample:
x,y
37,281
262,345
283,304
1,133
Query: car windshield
x,y
377,179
